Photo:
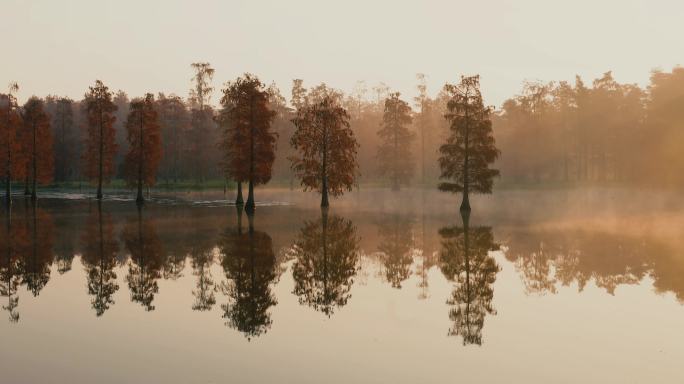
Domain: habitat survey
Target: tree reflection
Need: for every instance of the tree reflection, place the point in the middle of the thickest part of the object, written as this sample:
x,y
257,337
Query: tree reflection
x,y
12,239
248,261
37,253
546,259
395,247
465,260
141,241
202,257
327,256
99,258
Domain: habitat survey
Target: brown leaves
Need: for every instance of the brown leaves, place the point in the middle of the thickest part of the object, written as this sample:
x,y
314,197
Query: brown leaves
x,y
326,147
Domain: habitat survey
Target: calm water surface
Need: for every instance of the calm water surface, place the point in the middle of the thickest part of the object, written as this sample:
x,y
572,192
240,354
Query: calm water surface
x,y
535,286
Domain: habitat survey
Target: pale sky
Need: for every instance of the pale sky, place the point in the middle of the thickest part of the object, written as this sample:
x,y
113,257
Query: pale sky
x,y
62,46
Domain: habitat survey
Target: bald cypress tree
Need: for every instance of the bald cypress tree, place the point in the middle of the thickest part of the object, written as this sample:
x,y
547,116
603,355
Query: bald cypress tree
x,y
248,140
394,153
470,149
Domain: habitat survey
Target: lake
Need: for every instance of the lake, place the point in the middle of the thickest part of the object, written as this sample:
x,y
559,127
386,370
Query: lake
x,y
537,286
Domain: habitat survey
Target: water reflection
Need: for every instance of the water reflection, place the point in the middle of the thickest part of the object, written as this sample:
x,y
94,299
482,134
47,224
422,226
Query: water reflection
x,y
10,241
549,259
465,260
396,241
146,256
249,265
326,260
99,259
36,253
239,264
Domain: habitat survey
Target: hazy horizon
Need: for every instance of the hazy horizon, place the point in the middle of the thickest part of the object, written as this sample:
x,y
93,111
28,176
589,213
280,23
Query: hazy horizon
x,y
62,47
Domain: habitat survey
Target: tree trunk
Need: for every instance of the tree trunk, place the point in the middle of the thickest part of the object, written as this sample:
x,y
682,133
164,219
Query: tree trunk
x,y
100,163
140,199
250,206
27,180
8,174
239,201
324,196
35,165
465,203
324,171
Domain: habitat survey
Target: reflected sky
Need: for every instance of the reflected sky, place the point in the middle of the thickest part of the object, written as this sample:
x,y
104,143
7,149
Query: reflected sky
x,y
384,287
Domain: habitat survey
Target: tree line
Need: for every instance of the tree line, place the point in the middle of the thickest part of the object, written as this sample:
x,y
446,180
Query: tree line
x,y
331,141
166,137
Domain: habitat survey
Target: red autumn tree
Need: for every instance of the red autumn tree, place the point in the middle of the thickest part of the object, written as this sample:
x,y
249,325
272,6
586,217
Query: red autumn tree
x,y
248,141
101,136
327,149
10,145
144,145
37,144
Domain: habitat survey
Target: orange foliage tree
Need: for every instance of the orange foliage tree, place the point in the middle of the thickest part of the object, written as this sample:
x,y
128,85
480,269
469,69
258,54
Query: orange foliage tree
x,y
248,141
37,143
100,140
327,149
10,145
144,150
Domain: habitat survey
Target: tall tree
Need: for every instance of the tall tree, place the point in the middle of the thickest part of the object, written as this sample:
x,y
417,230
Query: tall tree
x,y
144,145
470,149
38,144
100,141
174,120
10,144
202,132
394,153
422,120
61,109
327,148
248,141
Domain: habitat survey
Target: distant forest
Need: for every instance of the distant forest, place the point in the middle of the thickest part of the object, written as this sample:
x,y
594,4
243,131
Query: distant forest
x,y
556,132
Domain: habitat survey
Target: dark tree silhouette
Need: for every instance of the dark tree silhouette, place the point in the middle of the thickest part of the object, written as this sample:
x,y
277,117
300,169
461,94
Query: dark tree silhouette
x,y
144,150
61,110
248,141
101,139
249,264
465,260
37,144
469,150
174,121
395,248
326,161
141,241
327,255
99,258
10,140
394,153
